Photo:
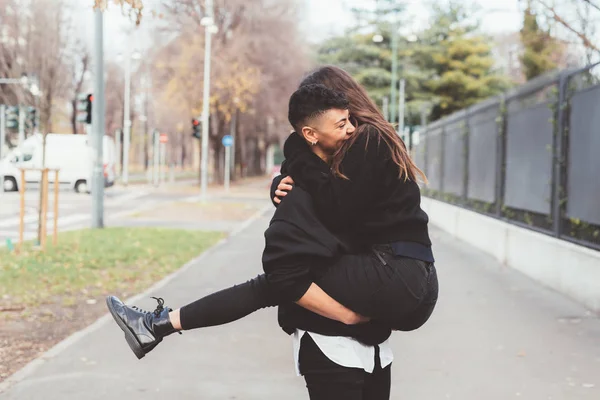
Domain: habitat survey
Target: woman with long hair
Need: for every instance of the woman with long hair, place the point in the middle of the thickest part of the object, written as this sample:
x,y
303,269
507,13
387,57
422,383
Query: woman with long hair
x,y
349,242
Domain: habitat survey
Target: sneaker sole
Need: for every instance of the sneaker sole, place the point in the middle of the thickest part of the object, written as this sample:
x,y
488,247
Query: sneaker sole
x,y
132,341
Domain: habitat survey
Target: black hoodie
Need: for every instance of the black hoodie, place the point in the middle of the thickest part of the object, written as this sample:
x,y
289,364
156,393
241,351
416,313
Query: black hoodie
x,y
298,250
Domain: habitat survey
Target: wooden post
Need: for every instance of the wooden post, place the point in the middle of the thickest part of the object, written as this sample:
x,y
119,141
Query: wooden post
x,y
55,233
44,207
22,211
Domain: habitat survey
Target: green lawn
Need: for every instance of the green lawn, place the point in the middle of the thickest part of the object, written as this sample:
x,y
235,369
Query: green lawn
x,y
94,262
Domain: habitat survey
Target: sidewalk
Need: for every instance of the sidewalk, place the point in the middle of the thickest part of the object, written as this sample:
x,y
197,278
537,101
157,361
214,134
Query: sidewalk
x,y
495,336
182,207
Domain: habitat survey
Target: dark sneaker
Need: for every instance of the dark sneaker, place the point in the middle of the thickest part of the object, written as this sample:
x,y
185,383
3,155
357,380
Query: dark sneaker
x,y
143,330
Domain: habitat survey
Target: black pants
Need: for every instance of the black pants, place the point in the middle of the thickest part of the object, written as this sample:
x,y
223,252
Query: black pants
x,y
326,380
397,291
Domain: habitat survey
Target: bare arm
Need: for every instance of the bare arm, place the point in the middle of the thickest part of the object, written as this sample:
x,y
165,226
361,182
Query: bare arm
x,y
319,302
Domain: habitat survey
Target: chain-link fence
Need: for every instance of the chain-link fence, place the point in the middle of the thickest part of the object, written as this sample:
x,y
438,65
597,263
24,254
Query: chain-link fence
x,y
530,156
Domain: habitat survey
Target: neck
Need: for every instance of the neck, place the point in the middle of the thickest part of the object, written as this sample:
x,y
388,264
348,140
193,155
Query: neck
x,y
321,154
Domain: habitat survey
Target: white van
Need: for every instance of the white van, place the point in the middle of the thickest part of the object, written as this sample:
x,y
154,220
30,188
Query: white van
x,y
71,154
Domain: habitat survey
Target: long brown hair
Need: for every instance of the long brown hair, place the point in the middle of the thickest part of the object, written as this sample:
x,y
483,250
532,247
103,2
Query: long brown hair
x,y
365,113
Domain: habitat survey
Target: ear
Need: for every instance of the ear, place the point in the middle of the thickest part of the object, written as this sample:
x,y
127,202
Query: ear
x,y
309,134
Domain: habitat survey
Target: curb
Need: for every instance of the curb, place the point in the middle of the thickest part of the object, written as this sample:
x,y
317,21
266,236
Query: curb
x,y
75,337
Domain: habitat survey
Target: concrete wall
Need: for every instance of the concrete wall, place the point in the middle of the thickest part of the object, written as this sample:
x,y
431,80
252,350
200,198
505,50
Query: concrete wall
x,y
568,268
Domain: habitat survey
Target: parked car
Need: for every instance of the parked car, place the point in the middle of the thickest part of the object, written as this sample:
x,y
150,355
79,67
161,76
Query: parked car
x,y
73,155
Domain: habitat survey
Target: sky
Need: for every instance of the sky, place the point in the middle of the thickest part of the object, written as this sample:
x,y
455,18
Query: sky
x,y
322,18
328,17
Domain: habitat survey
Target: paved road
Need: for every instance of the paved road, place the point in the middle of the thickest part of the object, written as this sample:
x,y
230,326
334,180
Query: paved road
x,y
495,336
74,209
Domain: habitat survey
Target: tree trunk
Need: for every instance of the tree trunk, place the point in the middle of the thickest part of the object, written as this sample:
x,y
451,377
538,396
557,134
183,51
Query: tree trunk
x,y
236,151
242,158
74,116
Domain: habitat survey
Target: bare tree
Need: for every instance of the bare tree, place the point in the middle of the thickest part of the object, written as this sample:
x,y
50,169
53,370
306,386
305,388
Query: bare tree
x,y
81,65
14,23
133,8
115,102
587,14
49,55
258,59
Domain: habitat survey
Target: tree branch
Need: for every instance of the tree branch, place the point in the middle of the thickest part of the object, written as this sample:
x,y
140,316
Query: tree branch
x,y
592,4
586,41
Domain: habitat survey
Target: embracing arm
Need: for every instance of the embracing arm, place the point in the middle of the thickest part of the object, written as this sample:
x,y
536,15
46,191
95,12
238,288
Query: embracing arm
x,y
340,200
319,302
276,181
289,258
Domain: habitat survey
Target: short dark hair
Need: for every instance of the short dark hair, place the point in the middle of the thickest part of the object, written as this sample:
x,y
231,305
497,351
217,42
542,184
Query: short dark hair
x,y
310,101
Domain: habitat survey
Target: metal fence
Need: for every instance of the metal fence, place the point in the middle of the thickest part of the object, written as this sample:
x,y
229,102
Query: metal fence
x,y
530,156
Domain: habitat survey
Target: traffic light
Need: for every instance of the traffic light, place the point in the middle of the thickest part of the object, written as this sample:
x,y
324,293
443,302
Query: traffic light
x,y
12,117
196,128
31,118
84,108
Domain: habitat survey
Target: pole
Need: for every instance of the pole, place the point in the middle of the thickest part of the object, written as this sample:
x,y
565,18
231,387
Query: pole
x,y
163,162
41,222
119,166
56,188
233,134
386,113
22,210
146,143
205,100
559,155
401,109
227,167
127,118
44,213
2,141
156,154
423,135
21,125
145,159
98,125
394,72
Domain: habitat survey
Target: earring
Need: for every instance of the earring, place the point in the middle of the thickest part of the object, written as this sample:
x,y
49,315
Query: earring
x,y
314,143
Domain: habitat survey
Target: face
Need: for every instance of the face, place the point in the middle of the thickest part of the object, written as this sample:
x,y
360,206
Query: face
x,y
328,131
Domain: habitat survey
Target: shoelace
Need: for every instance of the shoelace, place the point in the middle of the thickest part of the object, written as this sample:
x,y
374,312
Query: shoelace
x,y
158,310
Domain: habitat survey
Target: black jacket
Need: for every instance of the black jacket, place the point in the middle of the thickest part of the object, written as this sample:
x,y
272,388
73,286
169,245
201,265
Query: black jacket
x,y
373,205
298,249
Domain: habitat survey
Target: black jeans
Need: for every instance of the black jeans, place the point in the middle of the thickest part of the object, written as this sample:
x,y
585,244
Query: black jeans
x,y
326,380
397,291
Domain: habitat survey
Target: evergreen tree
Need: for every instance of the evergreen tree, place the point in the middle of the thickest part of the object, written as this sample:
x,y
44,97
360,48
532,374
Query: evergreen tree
x,y
456,61
539,47
449,67
368,62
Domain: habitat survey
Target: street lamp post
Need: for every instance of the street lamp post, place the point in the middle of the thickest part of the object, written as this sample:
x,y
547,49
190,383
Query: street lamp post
x,y
377,38
127,115
394,73
401,109
210,29
98,124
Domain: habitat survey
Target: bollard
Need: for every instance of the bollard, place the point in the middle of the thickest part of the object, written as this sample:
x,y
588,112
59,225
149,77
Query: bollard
x,y
55,233
21,211
44,221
